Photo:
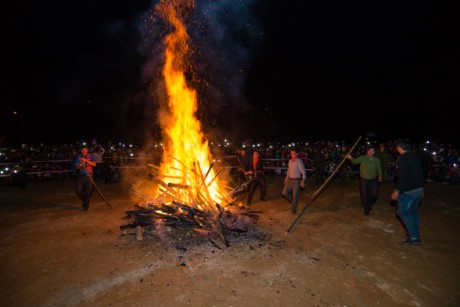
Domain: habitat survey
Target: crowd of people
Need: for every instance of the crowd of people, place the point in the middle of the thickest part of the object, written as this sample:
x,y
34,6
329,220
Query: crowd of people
x,y
54,162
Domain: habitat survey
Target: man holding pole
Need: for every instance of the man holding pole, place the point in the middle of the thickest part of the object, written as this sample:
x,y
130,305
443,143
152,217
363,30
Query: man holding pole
x,y
370,173
323,186
84,163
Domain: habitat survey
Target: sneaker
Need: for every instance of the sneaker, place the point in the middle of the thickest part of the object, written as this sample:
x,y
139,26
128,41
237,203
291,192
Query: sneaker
x,y
411,242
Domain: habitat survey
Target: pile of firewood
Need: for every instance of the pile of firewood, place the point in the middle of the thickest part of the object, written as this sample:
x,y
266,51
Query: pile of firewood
x,y
201,215
201,223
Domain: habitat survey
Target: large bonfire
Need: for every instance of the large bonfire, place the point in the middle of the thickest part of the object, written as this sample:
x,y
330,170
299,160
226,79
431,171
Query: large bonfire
x,y
186,158
188,191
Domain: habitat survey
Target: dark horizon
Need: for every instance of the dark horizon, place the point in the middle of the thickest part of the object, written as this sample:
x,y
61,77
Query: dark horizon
x,y
265,71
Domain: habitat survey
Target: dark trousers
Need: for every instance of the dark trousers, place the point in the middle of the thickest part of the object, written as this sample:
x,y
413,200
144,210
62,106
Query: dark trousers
x,y
84,189
291,192
257,182
99,171
319,175
369,190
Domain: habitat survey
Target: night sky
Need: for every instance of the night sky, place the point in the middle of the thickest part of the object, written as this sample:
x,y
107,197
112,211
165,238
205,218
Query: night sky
x,y
264,70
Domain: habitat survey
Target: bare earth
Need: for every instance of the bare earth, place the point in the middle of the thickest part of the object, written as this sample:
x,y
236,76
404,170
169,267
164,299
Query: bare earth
x,y
53,254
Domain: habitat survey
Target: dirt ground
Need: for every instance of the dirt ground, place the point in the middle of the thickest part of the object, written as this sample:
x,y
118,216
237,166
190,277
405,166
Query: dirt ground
x,y
53,254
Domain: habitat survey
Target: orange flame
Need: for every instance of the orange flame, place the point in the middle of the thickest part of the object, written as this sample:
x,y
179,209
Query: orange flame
x,y
186,156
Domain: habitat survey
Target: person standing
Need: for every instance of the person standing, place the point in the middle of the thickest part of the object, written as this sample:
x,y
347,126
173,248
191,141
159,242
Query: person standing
x,y
84,163
259,178
426,161
319,164
409,191
244,164
100,167
384,158
370,173
294,180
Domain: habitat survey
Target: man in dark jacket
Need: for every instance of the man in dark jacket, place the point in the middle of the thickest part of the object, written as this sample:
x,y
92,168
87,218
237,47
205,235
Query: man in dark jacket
x,y
409,191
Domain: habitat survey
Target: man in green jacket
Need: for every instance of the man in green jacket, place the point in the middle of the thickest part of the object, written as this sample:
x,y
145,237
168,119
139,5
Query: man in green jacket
x,y
370,173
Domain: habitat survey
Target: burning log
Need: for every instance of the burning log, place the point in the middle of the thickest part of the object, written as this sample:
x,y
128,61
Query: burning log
x,y
218,173
207,173
167,209
241,188
178,185
191,210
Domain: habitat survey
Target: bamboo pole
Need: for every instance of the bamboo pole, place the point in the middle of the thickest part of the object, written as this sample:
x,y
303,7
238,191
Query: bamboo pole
x,y
324,185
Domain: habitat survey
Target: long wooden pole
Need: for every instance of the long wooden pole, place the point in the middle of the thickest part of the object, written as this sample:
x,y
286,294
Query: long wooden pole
x,y
324,185
99,191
